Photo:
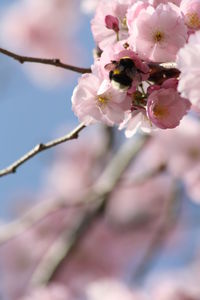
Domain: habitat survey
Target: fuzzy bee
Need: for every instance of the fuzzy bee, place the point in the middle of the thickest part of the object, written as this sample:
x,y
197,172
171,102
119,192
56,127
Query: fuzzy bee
x,y
122,72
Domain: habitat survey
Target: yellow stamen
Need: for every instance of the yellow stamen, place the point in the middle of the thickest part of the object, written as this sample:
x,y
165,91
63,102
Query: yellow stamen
x,y
160,111
158,36
102,101
193,20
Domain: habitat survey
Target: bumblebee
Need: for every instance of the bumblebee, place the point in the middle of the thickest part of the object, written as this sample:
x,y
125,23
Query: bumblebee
x,y
122,72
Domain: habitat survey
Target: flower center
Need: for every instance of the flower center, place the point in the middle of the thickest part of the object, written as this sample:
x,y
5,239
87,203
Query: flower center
x,y
158,36
193,20
160,111
102,101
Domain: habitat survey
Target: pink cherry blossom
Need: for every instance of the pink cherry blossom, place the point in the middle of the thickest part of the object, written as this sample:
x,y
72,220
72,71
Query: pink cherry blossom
x,y
155,3
135,120
158,33
191,11
134,11
166,108
103,35
94,99
188,62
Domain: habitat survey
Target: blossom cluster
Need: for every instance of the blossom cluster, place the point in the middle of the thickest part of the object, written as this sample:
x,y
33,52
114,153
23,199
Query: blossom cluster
x,y
134,81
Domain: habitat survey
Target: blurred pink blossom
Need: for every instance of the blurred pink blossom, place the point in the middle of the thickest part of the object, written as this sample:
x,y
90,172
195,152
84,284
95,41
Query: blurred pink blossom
x,y
52,292
188,62
191,11
41,29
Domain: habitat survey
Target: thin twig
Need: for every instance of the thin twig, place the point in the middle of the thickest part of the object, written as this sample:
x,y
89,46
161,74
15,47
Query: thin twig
x,y
98,195
46,61
39,148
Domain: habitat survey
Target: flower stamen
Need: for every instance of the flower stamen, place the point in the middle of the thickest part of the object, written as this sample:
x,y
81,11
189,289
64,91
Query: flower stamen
x,y
102,101
193,20
158,36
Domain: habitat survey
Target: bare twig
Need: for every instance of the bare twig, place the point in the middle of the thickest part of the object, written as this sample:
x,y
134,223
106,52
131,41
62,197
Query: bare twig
x,y
46,61
98,195
39,148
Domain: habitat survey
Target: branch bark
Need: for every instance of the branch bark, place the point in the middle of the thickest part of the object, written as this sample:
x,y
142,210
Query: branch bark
x,y
46,61
40,148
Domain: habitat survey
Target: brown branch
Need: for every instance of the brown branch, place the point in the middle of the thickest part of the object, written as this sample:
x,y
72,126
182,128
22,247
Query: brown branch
x,y
98,195
39,148
46,61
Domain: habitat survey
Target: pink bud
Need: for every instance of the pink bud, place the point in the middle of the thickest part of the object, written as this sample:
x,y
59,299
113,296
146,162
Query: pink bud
x,y
112,23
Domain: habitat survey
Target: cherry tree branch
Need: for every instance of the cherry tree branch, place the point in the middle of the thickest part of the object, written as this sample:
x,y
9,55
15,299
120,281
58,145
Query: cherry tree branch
x,y
46,61
98,195
40,148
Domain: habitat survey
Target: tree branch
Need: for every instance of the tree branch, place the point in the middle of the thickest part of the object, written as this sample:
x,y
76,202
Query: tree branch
x,y
46,61
39,148
97,196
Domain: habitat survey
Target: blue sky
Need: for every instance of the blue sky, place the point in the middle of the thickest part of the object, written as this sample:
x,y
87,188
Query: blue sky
x,y
28,115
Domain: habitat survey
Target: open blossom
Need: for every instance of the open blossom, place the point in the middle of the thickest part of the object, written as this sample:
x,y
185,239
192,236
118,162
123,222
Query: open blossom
x,y
135,120
191,11
103,35
94,99
166,108
134,11
158,33
188,62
